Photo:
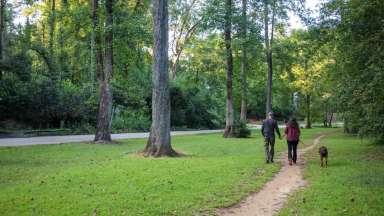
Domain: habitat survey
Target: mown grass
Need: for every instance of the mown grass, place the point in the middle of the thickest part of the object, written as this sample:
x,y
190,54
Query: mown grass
x,y
79,178
353,183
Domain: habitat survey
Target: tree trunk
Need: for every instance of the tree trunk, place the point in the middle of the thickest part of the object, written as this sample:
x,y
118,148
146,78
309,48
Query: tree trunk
x,y
308,101
103,131
228,132
96,40
53,74
325,121
325,117
2,30
268,46
268,104
63,68
52,19
244,64
159,142
330,119
176,65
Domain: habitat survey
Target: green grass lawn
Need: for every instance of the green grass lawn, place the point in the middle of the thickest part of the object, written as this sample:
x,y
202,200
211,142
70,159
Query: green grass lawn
x,y
353,184
75,179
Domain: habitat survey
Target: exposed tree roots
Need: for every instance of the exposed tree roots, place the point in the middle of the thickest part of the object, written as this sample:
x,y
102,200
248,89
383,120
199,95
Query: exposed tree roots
x,y
228,131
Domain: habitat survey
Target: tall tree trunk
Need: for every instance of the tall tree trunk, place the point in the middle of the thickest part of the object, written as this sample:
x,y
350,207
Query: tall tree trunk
x,y
330,119
268,47
228,132
103,131
325,117
308,101
96,40
325,120
159,141
176,65
2,30
61,62
52,19
52,22
244,64
268,104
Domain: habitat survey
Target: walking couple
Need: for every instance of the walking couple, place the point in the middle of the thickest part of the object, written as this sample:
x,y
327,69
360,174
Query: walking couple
x,y
292,133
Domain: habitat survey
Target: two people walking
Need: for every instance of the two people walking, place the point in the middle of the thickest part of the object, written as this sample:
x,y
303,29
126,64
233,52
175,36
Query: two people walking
x,y
292,133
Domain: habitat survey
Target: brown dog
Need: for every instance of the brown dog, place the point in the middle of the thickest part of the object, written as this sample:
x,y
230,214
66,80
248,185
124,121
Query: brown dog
x,y
323,151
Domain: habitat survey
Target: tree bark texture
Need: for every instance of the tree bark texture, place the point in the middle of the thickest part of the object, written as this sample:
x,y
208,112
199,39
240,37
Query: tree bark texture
x,y
268,47
97,39
308,101
52,19
268,105
103,131
2,30
244,64
228,131
159,141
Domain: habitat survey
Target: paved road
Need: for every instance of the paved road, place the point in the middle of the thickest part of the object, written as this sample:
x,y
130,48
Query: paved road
x,y
43,140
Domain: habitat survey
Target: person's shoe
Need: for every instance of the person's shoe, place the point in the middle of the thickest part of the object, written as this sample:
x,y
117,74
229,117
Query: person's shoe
x,y
294,162
267,161
271,160
290,162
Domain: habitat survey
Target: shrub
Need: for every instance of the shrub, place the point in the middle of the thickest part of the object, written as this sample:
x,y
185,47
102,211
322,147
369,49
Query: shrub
x,y
241,130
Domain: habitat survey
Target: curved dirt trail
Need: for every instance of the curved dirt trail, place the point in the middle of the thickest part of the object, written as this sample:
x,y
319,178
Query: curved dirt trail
x,y
272,197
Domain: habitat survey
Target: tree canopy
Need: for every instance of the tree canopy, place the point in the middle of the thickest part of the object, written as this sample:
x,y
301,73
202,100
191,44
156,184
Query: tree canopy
x,y
52,58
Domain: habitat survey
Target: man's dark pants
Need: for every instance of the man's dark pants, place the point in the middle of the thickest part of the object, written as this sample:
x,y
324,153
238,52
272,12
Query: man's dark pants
x,y
292,150
269,145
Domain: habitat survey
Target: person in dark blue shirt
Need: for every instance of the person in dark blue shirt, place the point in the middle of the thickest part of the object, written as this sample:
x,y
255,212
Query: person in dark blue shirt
x,y
268,129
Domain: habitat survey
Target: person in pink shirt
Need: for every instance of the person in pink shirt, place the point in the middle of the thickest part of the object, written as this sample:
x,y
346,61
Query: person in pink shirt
x,y
292,132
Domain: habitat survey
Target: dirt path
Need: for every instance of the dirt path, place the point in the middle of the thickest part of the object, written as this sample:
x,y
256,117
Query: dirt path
x,y
272,197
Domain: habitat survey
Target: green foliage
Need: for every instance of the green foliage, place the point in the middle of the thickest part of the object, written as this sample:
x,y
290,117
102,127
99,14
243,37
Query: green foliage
x,y
131,120
40,103
357,34
338,62
241,130
195,107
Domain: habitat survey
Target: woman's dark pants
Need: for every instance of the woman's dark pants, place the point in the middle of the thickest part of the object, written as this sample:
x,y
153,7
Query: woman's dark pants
x,y
292,150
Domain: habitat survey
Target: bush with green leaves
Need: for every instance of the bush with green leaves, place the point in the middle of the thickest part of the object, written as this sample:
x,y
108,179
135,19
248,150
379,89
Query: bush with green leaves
x,y
241,130
195,107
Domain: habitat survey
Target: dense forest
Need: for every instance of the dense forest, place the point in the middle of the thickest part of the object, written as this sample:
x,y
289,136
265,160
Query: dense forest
x,y
62,61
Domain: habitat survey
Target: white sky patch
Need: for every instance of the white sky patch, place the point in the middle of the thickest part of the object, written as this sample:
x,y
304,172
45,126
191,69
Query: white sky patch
x,y
295,21
18,8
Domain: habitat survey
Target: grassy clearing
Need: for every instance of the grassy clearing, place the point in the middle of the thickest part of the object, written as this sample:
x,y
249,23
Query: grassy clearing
x,y
353,184
75,179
